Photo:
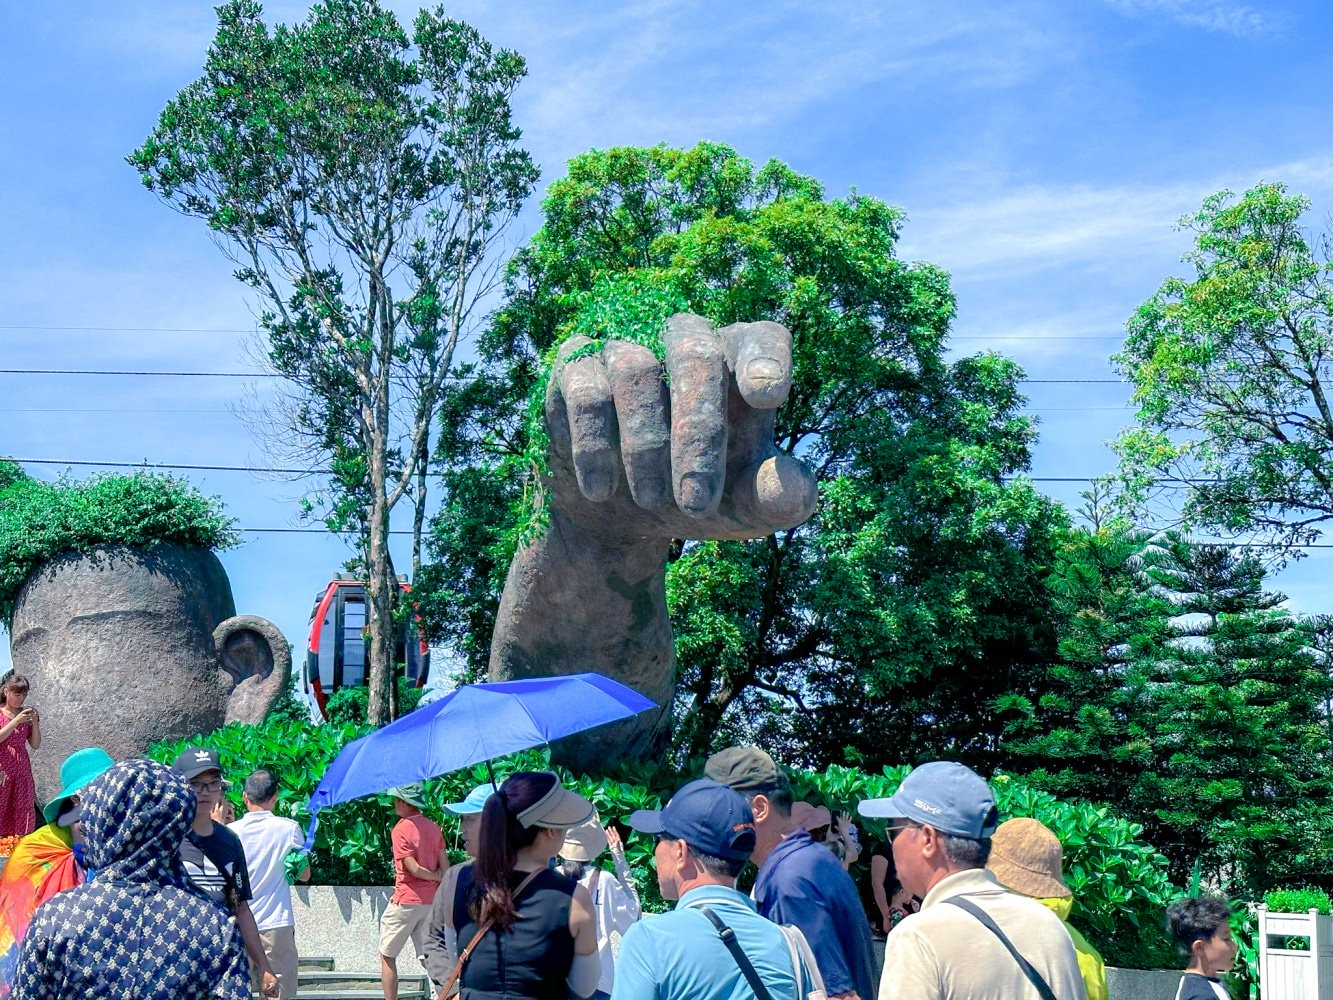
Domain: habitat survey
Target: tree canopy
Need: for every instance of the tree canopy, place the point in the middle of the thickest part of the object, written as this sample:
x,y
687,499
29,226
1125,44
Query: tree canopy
x,y
361,178
1187,698
1230,372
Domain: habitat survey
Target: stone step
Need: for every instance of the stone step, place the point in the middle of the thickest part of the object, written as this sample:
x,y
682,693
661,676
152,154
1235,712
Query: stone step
x,y
311,963
330,985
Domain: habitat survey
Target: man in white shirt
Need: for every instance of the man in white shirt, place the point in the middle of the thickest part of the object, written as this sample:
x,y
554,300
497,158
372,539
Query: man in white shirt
x,y
268,839
971,938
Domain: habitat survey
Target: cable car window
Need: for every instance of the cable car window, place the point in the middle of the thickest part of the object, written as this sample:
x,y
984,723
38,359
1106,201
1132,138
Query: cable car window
x,y
354,644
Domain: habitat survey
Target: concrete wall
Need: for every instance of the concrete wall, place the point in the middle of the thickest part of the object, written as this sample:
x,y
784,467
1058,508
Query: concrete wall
x,y
1142,984
343,921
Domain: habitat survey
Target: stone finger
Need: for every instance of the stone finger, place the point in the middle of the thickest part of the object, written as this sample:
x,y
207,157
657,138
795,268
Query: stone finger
x,y
594,440
643,414
697,366
776,494
760,356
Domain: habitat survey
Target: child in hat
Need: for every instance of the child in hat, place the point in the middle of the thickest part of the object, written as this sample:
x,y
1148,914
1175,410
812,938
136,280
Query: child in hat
x,y
615,901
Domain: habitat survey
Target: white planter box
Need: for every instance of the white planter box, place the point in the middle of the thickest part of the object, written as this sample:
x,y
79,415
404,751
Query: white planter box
x,y
1295,973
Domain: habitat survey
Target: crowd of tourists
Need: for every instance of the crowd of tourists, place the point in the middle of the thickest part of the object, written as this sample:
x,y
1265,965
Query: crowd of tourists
x,y
137,887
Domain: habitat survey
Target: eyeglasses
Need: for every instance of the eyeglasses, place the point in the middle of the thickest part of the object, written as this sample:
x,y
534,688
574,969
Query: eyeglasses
x,y
663,838
895,830
207,786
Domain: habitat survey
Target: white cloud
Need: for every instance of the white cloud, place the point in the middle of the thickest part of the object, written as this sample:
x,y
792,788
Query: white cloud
x,y
1222,16
996,231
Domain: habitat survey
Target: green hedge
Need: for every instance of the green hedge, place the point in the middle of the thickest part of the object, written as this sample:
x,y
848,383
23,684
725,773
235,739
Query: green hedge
x,y
1119,883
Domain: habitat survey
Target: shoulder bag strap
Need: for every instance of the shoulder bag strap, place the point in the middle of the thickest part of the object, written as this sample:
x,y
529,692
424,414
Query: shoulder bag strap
x,y
729,939
1033,975
466,953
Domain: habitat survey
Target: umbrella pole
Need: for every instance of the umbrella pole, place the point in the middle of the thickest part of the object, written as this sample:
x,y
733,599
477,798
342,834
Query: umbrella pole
x,y
490,773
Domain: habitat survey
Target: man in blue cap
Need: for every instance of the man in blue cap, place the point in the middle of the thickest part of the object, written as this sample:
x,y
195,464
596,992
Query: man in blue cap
x,y
972,938
704,837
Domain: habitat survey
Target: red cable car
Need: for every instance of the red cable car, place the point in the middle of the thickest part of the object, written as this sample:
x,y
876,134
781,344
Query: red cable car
x,y
336,651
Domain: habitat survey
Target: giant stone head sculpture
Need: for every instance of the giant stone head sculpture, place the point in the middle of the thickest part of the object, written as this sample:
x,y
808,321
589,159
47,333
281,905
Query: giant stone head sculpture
x,y
127,646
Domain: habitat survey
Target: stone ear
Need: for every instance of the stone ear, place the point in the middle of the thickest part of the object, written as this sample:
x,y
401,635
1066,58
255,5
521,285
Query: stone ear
x,y
255,653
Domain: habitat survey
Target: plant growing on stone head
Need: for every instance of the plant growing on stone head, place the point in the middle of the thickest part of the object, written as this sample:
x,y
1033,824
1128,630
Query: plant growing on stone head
x,y
40,520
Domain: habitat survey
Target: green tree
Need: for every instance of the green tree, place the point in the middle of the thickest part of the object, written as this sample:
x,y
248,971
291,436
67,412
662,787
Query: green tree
x,y
889,621
1229,374
362,180
1188,699
1079,731
1240,751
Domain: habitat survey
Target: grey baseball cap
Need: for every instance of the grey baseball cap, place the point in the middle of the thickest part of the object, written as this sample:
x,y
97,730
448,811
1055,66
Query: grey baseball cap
x,y
952,798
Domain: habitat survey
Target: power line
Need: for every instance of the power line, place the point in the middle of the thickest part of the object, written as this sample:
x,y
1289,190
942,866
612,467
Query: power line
x,y
171,465
326,531
193,329
127,329
186,374
325,472
88,371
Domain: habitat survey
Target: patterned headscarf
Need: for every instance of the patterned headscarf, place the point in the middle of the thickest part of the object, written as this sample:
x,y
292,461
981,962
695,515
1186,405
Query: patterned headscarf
x,y
140,931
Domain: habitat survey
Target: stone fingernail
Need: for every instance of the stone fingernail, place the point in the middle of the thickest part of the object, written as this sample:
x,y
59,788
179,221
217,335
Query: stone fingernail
x,y
694,492
764,370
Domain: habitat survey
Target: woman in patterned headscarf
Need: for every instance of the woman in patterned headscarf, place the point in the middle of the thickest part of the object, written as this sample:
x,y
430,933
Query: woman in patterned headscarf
x,y
140,931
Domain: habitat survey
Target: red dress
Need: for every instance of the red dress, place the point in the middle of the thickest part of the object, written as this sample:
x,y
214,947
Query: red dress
x,y
18,794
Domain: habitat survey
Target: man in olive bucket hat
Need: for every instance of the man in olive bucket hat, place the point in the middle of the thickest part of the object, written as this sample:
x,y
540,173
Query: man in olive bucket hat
x,y
1027,858
419,865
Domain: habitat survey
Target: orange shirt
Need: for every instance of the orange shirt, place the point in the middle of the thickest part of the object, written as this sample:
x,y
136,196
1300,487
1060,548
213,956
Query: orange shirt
x,y
415,837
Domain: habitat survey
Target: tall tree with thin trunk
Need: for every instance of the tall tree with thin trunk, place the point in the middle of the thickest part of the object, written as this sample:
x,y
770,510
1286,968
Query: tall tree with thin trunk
x,y
1231,374
361,179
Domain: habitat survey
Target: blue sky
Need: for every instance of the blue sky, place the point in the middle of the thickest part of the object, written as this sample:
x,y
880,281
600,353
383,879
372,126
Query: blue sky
x,y
1041,150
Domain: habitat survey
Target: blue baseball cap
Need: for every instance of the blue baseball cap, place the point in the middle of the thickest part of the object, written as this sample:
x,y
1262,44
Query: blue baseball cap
x,y
706,815
474,803
952,798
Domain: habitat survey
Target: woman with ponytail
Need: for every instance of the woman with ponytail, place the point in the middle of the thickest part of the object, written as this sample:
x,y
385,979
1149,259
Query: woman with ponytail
x,y
524,930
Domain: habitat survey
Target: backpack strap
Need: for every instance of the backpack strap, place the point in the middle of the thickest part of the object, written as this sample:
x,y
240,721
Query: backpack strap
x,y
729,939
1033,975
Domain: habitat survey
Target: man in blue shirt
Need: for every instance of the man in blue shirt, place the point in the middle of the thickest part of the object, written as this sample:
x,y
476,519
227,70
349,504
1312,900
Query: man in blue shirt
x,y
801,882
704,836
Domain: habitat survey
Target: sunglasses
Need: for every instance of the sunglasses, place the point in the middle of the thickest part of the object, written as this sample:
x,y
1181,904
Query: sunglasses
x,y
895,830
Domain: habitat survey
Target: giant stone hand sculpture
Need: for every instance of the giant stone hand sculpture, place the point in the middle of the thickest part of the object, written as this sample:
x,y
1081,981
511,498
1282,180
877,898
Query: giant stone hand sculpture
x,y
642,453
127,646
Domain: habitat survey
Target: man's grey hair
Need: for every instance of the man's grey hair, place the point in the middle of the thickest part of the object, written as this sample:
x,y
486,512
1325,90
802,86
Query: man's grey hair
x,y
714,865
261,786
965,852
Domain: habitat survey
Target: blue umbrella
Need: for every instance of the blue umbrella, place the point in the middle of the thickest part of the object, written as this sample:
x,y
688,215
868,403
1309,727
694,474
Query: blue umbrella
x,y
475,723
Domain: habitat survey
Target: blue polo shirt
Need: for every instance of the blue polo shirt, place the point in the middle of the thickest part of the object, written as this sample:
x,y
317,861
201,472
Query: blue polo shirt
x,y
680,955
802,883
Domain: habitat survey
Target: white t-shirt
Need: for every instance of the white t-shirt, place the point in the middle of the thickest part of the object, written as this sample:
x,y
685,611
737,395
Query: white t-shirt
x,y
615,906
267,840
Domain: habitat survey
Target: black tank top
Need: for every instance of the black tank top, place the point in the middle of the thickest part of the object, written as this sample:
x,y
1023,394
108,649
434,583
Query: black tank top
x,y
532,958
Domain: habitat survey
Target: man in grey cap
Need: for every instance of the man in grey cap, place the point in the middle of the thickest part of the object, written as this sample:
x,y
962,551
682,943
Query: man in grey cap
x,y
800,882
971,938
